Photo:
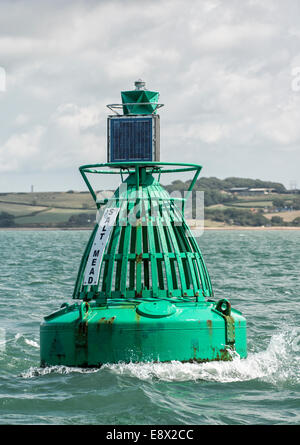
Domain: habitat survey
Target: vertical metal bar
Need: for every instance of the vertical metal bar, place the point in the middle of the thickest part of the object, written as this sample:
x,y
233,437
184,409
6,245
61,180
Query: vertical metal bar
x,y
139,258
191,188
152,257
89,186
111,262
146,261
138,245
119,261
126,246
165,250
204,275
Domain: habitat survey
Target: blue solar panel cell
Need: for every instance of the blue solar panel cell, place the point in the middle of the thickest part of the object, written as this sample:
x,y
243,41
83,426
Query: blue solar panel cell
x,y
131,139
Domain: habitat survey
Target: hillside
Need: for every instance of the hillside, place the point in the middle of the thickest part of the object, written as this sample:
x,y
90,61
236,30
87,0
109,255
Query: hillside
x,y
47,209
228,202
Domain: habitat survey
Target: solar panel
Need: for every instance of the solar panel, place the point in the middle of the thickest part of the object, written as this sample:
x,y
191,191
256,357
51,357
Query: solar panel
x,y
131,139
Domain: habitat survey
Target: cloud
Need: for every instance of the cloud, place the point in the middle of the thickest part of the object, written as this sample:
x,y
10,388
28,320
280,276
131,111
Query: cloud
x,y
233,36
20,149
283,127
2,79
73,117
208,132
223,70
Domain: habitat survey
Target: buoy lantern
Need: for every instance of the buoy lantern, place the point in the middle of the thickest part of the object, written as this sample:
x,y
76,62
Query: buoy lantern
x,y
143,292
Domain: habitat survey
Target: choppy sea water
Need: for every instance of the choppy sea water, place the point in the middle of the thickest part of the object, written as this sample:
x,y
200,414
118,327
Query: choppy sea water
x,y
257,270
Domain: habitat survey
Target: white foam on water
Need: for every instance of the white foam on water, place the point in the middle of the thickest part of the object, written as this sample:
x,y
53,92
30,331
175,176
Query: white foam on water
x,y
26,340
59,369
278,363
32,343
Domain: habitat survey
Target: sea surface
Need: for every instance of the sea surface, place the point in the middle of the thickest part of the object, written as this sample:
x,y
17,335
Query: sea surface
x,y
257,270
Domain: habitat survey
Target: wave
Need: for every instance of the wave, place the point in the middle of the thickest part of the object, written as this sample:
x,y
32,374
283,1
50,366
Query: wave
x,y
279,363
27,341
58,369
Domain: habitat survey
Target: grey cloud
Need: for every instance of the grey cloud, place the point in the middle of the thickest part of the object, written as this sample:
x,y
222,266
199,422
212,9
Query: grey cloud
x,y
223,70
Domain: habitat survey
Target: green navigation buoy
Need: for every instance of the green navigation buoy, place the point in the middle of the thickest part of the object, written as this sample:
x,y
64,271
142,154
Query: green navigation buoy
x,y
143,292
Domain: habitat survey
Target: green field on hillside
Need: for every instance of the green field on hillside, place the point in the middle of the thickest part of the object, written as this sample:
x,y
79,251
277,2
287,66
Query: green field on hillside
x,y
76,209
47,209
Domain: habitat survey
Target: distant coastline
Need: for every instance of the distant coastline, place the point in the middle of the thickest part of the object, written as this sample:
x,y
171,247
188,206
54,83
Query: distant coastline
x,y
229,204
233,228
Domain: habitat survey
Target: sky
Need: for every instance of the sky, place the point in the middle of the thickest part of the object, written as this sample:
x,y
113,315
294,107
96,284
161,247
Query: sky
x,y
228,73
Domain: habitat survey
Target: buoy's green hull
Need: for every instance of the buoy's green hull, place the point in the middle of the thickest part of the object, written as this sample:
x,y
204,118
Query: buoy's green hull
x,y
87,335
